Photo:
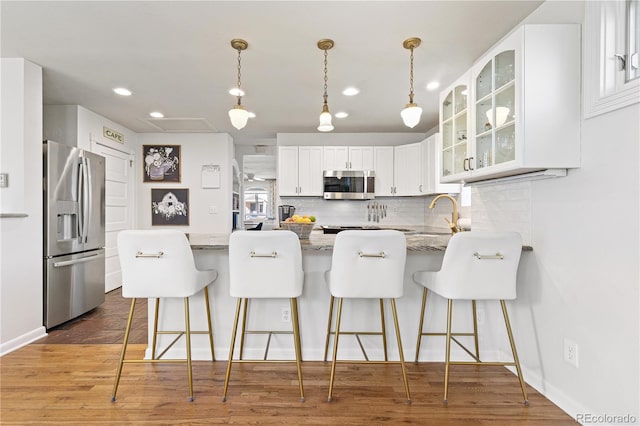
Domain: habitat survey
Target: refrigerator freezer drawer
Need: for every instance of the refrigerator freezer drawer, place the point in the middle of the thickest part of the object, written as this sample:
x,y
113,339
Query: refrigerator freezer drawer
x,y
74,284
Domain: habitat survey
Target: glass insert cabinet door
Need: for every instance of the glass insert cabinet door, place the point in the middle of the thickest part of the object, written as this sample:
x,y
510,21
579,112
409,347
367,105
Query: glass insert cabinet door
x,y
495,111
454,130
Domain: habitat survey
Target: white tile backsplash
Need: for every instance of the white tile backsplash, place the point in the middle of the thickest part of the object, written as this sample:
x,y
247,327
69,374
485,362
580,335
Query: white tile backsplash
x,y
502,206
401,211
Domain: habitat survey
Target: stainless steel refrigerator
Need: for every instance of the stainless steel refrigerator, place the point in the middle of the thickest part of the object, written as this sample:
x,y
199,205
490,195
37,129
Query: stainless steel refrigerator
x,y
74,232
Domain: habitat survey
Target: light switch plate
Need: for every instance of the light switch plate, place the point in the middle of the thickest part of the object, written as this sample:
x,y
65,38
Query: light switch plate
x,y
4,180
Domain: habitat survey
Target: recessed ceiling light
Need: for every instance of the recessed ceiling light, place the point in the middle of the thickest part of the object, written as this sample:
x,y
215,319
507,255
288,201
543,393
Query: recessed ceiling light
x,y
433,85
341,114
252,114
156,114
236,91
350,91
122,91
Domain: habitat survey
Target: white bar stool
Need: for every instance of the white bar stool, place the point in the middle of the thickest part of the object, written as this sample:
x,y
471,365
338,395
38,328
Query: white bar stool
x,y
476,266
265,265
159,264
367,265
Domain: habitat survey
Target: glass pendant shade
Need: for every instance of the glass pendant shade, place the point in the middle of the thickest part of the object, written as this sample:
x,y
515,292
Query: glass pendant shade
x,y
411,115
325,120
238,116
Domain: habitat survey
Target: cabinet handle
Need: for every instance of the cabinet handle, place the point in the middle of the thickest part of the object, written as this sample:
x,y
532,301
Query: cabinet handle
x,y
346,164
350,166
470,168
465,165
420,188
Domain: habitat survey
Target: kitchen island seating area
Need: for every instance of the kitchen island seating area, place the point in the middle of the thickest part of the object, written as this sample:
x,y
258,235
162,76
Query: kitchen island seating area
x,y
476,266
159,264
350,268
367,265
264,265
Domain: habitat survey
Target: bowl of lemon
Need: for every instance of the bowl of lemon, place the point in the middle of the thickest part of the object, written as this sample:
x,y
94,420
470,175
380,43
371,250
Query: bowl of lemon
x,y
301,225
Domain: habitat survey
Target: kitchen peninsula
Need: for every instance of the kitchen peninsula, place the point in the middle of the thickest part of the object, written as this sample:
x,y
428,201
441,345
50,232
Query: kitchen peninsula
x,y
425,250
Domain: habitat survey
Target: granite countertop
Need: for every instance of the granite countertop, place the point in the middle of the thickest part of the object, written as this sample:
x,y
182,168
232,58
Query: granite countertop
x,y
419,239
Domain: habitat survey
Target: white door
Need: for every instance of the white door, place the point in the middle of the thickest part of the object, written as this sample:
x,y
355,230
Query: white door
x,y
119,207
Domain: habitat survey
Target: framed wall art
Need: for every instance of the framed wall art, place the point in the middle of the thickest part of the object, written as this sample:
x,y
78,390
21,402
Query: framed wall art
x,y
161,163
169,206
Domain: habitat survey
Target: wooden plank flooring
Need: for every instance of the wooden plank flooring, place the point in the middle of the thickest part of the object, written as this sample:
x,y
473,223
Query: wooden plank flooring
x,y
61,380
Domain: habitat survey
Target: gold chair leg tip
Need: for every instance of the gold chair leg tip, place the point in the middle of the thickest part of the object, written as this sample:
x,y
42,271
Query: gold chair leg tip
x,y
224,399
526,402
302,399
445,402
191,399
329,399
113,399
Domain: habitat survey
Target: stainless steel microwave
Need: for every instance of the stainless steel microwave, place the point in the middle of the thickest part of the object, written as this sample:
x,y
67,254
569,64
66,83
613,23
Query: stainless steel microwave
x,y
349,184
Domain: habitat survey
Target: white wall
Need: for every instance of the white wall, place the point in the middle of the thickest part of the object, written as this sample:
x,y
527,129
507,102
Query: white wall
x,y
196,150
581,280
21,244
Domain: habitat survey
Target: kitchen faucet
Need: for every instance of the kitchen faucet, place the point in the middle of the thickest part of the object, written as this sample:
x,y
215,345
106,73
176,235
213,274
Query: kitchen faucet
x,y
453,224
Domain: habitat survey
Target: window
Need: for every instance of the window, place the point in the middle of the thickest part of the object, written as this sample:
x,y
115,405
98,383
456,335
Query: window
x,y
632,39
611,42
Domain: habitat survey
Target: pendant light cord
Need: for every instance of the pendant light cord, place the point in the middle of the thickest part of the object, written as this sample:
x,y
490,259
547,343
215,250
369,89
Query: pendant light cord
x,y
326,79
239,74
411,79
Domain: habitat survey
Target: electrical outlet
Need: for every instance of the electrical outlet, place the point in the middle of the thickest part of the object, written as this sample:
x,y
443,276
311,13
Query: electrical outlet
x,y
213,210
4,180
286,315
571,352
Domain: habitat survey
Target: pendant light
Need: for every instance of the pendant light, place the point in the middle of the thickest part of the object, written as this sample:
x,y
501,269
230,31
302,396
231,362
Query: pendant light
x,y
411,113
238,115
325,115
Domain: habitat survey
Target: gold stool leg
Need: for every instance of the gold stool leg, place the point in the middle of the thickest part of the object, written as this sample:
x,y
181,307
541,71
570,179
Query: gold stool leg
x,y
326,342
400,351
384,330
513,350
209,326
296,342
231,347
188,342
475,329
424,304
335,349
448,351
155,328
244,322
124,350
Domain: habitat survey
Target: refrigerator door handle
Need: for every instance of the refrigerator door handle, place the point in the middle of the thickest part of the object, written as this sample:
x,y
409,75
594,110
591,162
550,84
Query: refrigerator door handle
x,y
88,201
77,261
83,198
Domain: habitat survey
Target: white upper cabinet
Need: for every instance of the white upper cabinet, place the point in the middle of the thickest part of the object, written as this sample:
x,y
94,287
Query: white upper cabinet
x,y
383,167
348,158
454,128
431,164
300,171
361,157
407,170
524,112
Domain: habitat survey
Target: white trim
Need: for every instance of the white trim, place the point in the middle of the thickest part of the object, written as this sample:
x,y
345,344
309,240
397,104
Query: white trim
x,y
22,340
604,21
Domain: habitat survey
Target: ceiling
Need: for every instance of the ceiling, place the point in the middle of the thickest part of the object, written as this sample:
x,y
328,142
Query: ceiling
x,y
175,56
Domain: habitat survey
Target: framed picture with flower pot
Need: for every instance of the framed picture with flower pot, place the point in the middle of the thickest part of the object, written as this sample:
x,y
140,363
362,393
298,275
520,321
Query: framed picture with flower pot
x,y
161,163
169,206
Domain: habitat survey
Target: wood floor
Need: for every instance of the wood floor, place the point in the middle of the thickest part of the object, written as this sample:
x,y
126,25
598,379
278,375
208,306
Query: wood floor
x,y
67,378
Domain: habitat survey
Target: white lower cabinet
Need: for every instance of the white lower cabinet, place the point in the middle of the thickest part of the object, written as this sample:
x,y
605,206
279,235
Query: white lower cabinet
x,y
300,171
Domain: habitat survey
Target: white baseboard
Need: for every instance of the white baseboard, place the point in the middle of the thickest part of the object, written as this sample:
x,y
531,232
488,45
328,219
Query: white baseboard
x,y
22,340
